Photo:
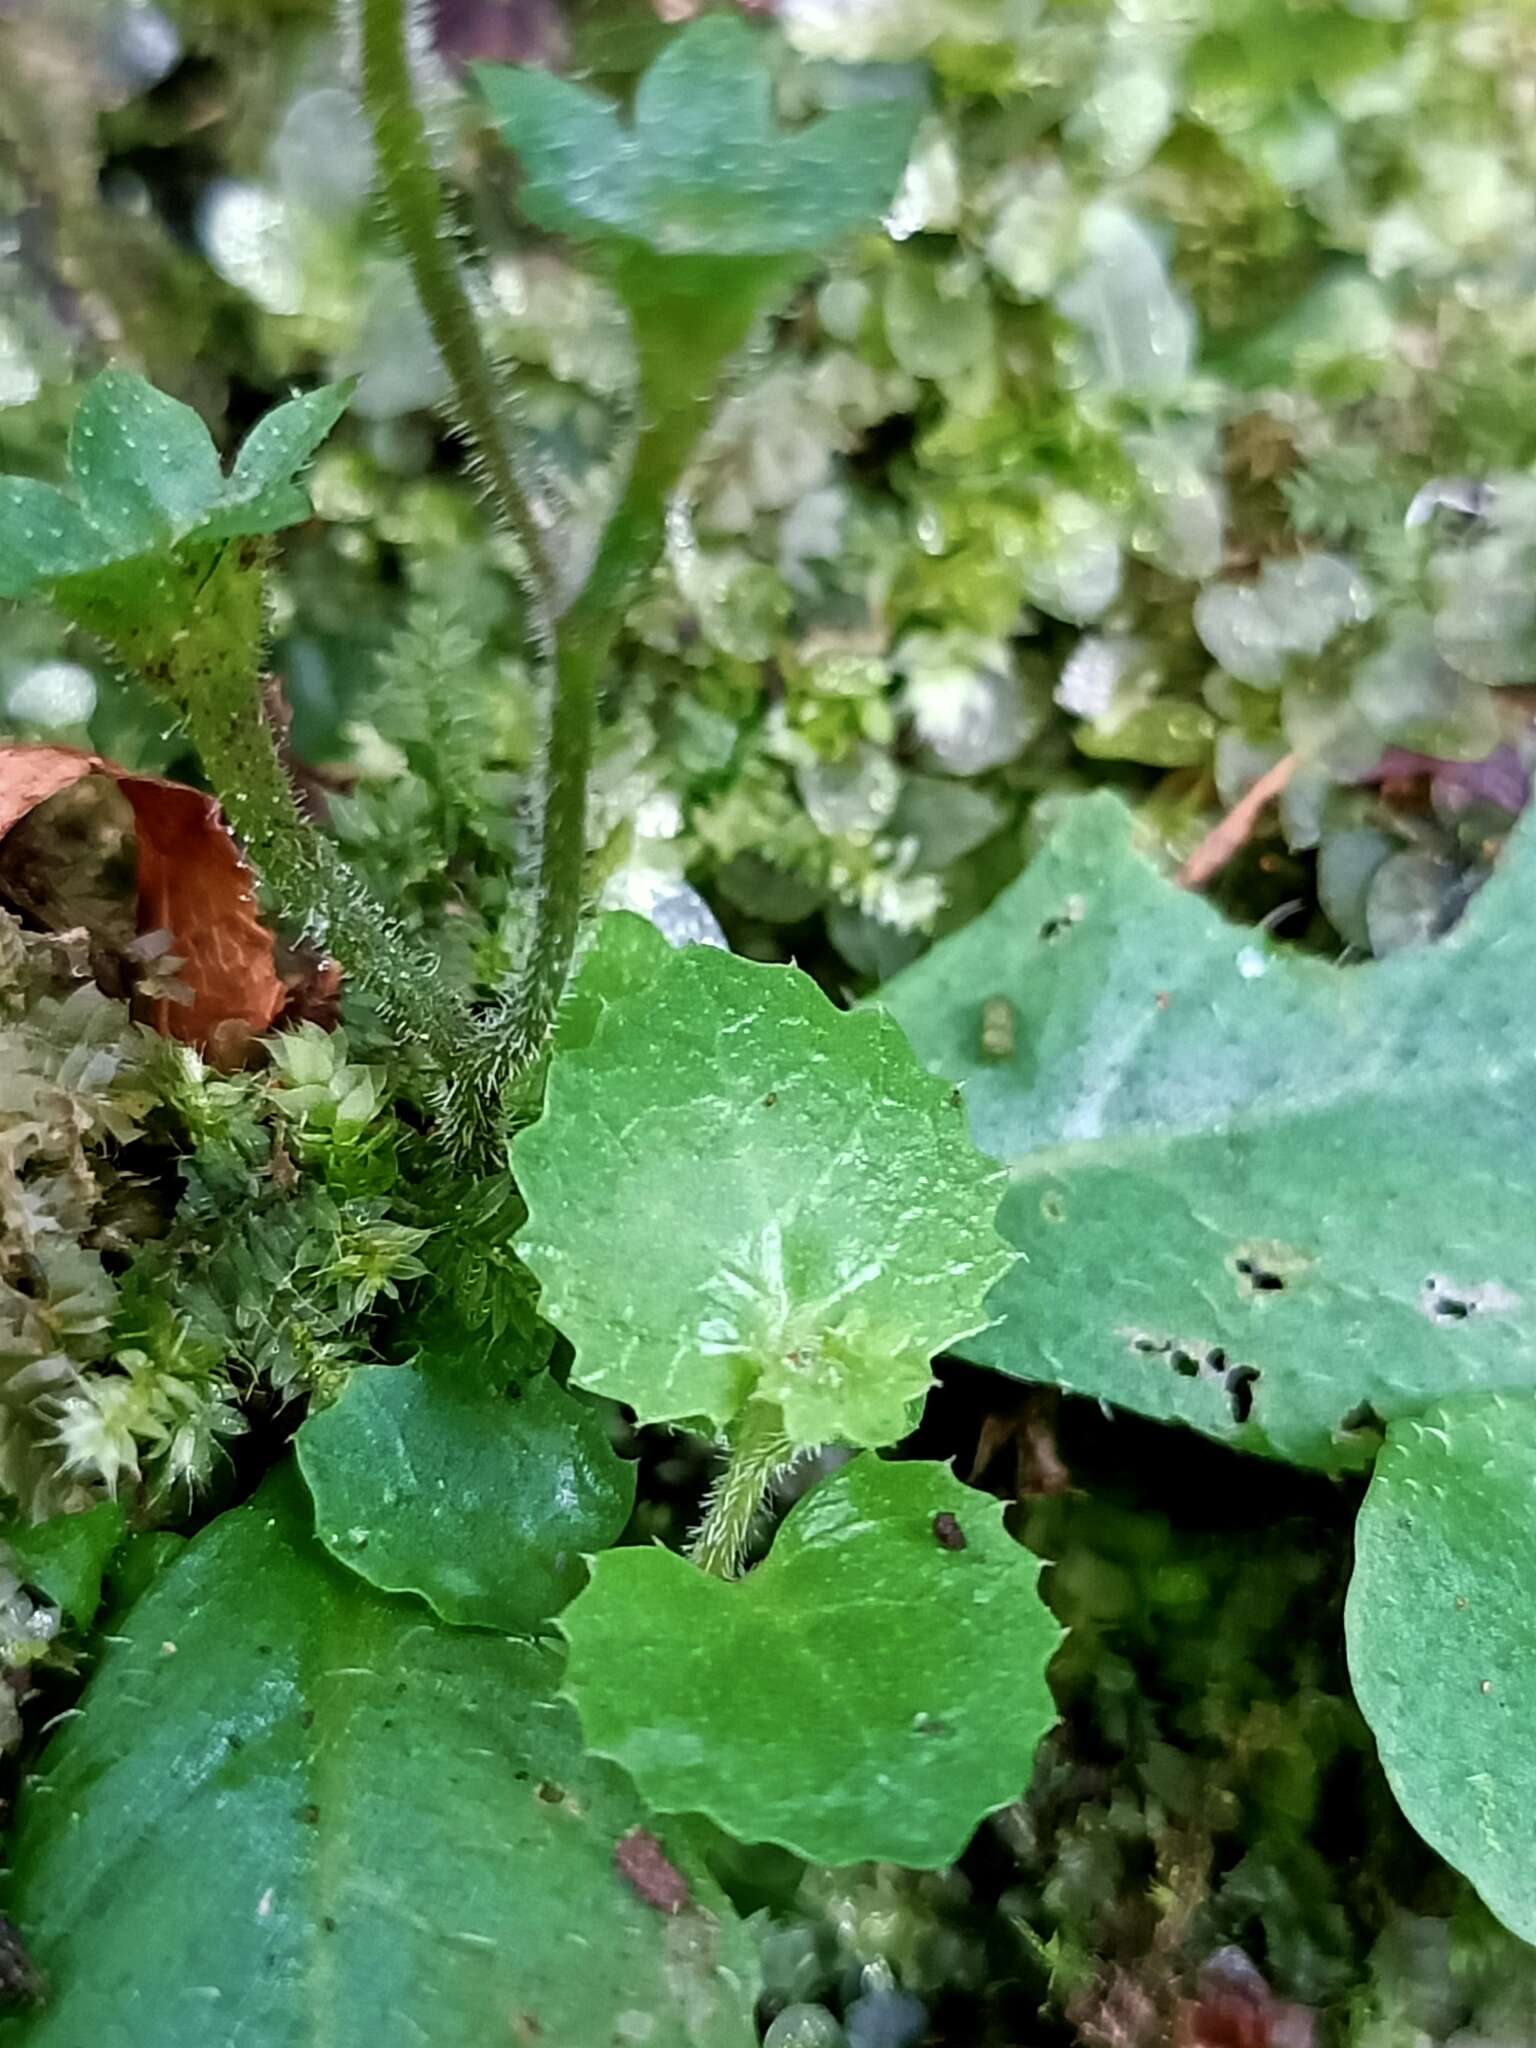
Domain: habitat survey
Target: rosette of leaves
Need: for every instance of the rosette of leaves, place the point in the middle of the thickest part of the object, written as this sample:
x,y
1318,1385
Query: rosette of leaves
x,y
137,550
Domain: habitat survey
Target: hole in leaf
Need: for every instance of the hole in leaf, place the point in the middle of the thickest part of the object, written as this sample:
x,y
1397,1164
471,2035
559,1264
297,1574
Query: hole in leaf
x,y
1070,914
1363,1420
1444,1301
1241,1381
1259,1278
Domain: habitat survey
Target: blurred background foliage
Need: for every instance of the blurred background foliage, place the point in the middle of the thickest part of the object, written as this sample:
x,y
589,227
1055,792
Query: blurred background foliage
x,y
1179,424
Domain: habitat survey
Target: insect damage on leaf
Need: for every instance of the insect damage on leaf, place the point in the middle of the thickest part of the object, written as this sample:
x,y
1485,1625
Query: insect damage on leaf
x,y
1236,1175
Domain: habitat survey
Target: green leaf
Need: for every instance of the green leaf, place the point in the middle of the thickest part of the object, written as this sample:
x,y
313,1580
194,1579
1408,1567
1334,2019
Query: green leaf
x,y
700,209
873,1690
472,1487
147,483
1442,1638
294,1811
144,464
43,536
283,441
702,169
625,954
1253,1192
737,1191
67,1555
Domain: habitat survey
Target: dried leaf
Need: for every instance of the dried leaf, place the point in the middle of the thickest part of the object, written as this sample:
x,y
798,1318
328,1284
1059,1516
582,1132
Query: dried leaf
x,y
192,882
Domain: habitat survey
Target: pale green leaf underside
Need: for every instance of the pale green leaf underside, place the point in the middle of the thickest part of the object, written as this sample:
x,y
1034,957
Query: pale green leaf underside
x,y
1442,1637
867,1692
702,169
736,1190
147,478
481,1497
1252,1192
296,1814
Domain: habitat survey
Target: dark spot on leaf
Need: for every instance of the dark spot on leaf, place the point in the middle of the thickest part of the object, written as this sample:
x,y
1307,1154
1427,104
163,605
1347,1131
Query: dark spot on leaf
x,y
1241,1381
1443,1307
930,1724
948,1534
769,1100
236,1742
1446,1301
328,1923
307,1718
1192,1363
311,1816
644,1866
1259,1278
552,1795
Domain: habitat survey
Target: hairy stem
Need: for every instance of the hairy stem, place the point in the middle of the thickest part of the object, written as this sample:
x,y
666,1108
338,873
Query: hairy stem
x,y
200,652
571,642
760,1452
413,196
314,887
516,1031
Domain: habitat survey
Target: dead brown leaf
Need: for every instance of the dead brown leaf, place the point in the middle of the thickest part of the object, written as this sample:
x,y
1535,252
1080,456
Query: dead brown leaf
x,y
192,882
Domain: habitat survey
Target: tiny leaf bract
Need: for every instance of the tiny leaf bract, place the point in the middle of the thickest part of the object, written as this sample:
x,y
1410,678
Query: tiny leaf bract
x,y
702,169
147,480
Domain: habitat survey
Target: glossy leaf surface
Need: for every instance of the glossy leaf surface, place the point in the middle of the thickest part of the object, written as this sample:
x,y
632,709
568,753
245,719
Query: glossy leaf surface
x,y
737,1191
477,1490
872,1690
297,1813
